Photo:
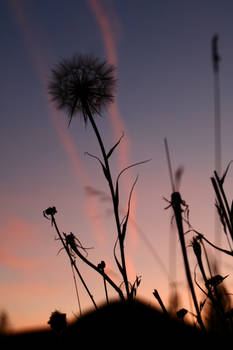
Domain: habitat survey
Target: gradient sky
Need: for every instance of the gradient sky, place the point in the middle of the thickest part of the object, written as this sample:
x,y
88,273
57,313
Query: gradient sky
x,y
165,89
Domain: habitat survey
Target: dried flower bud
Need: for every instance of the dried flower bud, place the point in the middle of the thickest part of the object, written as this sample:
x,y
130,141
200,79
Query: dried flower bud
x,y
57,321
50,211
196,248
101,266
215,280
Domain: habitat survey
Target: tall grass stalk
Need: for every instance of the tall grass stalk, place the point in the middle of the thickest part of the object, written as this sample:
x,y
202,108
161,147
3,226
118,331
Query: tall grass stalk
x,y
217,106
176,202
217,125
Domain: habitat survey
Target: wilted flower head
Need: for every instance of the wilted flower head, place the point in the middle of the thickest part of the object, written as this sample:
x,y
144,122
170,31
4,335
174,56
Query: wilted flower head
x,y
50,211
82,85
57,321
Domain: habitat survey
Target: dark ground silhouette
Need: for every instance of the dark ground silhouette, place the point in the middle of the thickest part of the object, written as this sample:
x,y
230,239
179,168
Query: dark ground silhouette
x,y
120,324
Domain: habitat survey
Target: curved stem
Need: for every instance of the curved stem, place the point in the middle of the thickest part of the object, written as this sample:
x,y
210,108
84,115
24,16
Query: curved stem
x,y
216,247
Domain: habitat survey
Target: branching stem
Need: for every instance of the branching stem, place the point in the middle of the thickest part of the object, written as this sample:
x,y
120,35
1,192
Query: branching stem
x,y
72,261
115,204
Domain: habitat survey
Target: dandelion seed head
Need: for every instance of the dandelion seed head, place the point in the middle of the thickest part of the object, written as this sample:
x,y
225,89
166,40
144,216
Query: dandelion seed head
x,y
82,85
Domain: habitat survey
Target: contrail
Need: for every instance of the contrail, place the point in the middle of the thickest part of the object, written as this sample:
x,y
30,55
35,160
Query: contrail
x,y
41,67
111,53
117,121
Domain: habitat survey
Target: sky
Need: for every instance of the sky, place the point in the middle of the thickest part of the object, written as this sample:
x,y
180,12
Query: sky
x,y
162,53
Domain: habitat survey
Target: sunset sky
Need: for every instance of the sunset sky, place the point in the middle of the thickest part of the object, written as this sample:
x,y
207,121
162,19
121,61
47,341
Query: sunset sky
x,y
162,51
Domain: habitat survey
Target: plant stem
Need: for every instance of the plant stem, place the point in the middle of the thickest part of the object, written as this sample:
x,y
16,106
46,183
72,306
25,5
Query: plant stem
x,y
76,290
115,206
106,277
176,204
106,291
72,261
157,296
218,248
227,212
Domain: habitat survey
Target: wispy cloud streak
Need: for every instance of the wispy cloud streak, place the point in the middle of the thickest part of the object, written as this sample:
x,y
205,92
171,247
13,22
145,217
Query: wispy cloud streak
x,y
111,53
41,67
107,33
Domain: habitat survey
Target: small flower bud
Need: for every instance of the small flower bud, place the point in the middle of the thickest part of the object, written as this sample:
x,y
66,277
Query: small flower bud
x,y
101,266
50,211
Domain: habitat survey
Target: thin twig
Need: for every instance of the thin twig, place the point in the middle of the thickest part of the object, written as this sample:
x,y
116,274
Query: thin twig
x,y
169,165
72,261
157,296
76,290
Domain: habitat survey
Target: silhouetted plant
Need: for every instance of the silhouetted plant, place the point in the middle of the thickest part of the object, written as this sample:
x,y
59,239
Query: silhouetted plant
x,y
72,245
84,85
57,322
50,213
216,297
211,283
101,266
225,212
158,298
4,323
212,289
179,206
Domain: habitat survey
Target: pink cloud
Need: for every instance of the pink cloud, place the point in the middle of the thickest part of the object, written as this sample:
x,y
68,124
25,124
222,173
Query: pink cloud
x,y
14,236
11,260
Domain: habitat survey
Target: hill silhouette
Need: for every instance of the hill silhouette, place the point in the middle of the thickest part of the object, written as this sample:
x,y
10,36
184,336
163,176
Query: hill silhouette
x,y
120,324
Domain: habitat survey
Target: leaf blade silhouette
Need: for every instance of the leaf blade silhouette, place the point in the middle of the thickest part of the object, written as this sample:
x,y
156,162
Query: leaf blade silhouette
x,y
113,148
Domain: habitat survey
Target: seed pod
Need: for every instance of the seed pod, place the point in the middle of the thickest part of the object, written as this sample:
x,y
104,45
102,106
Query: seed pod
x,y
196,248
